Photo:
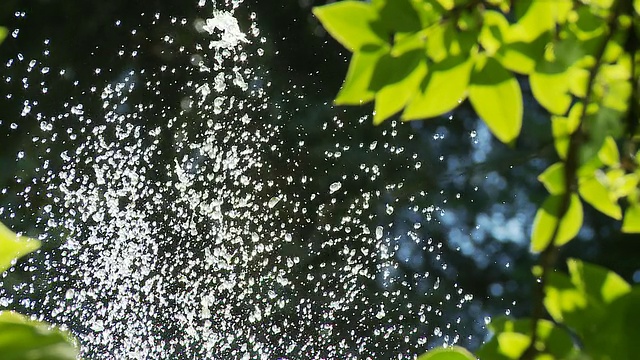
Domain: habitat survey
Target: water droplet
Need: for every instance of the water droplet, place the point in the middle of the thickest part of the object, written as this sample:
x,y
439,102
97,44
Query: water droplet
x,y
69,294
335,187
379,232
273,202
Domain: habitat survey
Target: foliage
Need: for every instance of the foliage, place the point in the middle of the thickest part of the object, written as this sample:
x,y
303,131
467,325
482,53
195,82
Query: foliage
x,y
20,337
425,57
14,247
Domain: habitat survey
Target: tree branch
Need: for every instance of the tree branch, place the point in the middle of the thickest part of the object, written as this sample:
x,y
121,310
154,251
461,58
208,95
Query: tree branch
x,y
550,253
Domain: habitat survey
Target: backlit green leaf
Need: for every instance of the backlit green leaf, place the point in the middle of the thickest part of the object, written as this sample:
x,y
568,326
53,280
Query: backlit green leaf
x,y
13,247
496,97
563,301
449,353
523,57
470,19
450,4
512,337
401,79
596,281
578,81
513,344
547,219
22,339
589,302
504,5
3,33
624,185
590,168
540,17
553,178
570,50
615,47
617,95
492,34
429,12
603,123
445,40
631,222
355,90
398,16
623,331
550,87
598,196
562,128
585,24
351,23
609,154
408,42
445,87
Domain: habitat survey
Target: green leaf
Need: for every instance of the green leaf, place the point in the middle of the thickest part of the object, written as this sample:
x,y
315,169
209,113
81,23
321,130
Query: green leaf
x,y
512,337
563,127
404,43
620,334
445,40
596,281
523,57
351,23
617,95
492,34
13,247
571,51
598,306
553,179
396,81
624,185
504,5
604,122
588,303
609,154
496,97
21,338
586,24
540,16
449,353
578,81
450,4
513,344
3,33
598,195
550,86
429,12
546,221
631,222
355,90
444,88
614,81
564,301
398,16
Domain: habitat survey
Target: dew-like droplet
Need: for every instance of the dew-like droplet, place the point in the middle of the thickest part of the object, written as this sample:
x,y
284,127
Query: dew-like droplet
x,y
335,187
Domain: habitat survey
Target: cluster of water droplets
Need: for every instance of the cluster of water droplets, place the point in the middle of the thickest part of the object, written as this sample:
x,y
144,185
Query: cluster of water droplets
x,y
185,241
